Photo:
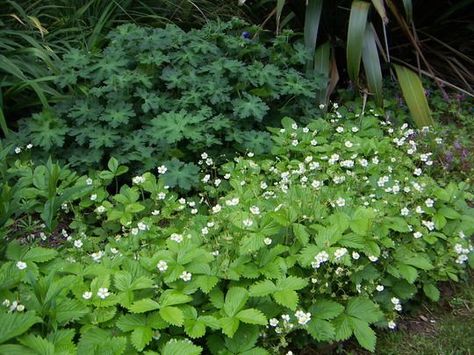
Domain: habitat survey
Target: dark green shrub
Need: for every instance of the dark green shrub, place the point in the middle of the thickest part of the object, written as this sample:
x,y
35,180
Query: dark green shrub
x,y
154,94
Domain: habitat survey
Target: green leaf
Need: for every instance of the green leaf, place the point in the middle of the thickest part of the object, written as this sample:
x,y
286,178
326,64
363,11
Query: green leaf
x,y
449,213
343,327
322,67
40,255
408,9
216,296
311,26
128,322
194,328
432,292
99,341
397,224
14,324
235,300
250,106
229,325
364,334
70,310
210,321
206,283
251,316
362,221
326,309
173,297
101,315
409,273
301,233
141,337
439,221
355,37
307,254
287,298
181,347
262,288
113,164
419,261
172,315
144,305
256,351
173,127
14,349
379,6
321,330
279,9
414,95
183,175
370,58
364,309
292,283
40,345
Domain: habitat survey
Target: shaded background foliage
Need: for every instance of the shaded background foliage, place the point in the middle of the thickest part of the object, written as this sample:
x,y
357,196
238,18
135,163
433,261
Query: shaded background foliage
x,y
434,22
35,33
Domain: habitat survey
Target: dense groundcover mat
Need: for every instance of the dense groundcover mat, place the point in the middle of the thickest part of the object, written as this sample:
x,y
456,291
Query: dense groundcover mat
x,y
331,236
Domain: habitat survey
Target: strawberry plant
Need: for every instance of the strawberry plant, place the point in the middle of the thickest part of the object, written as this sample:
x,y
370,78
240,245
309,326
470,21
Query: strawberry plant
x,y
334,234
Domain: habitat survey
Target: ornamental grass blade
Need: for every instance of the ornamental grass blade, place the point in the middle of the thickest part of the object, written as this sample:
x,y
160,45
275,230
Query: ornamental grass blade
x,y
370,58
311,26
334,77
279,9
3,121
322,68
355,38
408,5
414,95
380,7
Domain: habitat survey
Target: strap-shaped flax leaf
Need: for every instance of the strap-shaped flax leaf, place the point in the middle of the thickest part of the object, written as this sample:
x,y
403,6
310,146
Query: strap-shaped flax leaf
x,y
3,121
380,7
311,26
355,38
322,68
414,95
370,58
408,9
279,9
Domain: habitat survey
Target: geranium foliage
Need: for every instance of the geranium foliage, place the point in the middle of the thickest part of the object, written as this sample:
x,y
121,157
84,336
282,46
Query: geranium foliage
x,y
156,94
